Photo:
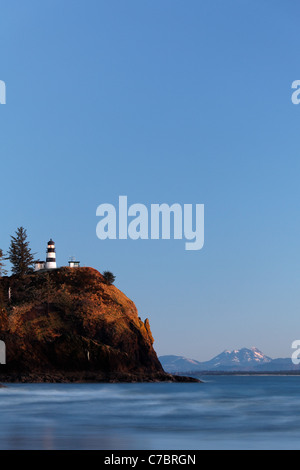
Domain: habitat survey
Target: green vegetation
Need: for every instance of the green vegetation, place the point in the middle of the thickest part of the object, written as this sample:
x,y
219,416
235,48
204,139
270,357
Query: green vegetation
x,y
19,253
109,277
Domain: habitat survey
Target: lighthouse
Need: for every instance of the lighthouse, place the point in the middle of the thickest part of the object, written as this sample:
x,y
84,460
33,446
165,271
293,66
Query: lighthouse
x,y
51,256
50,263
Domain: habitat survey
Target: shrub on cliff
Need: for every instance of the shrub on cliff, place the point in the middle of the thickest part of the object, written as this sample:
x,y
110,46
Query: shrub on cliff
x,y
109,277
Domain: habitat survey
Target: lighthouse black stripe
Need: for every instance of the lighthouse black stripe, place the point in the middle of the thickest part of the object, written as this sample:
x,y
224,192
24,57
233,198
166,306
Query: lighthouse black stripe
x,y
51,250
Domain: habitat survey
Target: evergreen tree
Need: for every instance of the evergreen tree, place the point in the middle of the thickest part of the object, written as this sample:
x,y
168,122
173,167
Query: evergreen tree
x,y
3,271
19,253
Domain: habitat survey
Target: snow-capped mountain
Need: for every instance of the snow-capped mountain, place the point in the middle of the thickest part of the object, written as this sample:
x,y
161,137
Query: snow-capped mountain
x,y
239,357
244,359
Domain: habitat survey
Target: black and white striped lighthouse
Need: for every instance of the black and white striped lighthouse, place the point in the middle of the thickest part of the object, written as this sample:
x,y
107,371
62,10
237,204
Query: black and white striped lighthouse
x,y
51,256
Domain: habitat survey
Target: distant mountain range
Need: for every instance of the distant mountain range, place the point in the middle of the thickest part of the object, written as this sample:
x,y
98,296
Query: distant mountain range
x,y
252,360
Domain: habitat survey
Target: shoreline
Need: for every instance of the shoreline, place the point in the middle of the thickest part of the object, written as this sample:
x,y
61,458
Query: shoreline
x,y
89,377
249,374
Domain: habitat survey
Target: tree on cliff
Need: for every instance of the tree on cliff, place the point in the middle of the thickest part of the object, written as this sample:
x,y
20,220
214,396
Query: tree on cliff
x,y
19,253
3,271
109,277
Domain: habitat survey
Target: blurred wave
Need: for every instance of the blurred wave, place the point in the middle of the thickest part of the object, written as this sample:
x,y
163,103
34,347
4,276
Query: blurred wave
x,y
224,412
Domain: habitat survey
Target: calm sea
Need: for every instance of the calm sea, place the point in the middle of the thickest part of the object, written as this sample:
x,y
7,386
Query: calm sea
x,y
225,412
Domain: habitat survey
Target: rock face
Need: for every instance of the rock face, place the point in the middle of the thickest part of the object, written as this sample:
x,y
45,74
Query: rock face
x,y
69,325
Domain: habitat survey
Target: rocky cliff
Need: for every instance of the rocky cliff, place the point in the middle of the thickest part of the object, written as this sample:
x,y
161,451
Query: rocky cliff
x,y
70,325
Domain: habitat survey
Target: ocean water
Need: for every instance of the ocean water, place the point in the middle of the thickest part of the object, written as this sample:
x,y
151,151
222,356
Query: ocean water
x,y
224,412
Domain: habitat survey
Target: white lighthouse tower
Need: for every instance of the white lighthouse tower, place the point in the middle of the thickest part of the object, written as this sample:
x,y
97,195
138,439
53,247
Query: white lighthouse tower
x,y
51,256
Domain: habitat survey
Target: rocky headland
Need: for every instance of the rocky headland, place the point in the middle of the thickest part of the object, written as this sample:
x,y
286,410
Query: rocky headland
x,y
69,325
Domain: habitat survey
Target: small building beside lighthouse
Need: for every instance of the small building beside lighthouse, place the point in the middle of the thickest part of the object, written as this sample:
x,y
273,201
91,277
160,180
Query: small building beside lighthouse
x,y
39,265
73,263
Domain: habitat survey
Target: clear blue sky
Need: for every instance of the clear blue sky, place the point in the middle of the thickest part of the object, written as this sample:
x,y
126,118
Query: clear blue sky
x,y
162,101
